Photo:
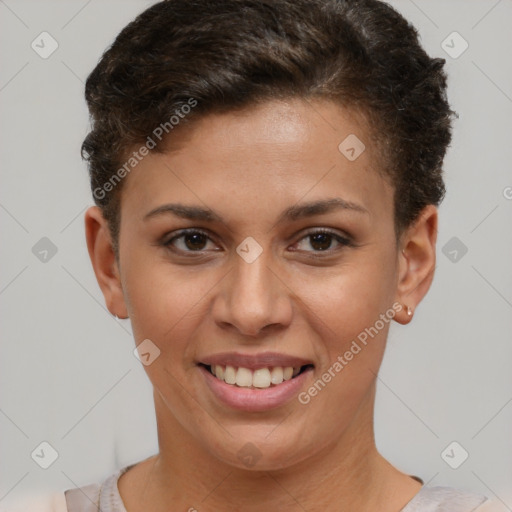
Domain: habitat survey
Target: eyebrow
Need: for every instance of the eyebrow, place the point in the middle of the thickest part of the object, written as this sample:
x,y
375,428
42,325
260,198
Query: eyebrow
x,y
295,212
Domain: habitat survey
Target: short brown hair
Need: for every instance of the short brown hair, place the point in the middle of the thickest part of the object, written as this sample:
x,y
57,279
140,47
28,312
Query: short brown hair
x,y
231,54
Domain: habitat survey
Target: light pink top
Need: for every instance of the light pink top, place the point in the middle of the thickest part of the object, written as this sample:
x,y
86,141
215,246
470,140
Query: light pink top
x,y
105,497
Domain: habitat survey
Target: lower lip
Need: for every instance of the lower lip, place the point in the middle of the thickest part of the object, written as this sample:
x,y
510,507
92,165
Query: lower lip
x,y
253,399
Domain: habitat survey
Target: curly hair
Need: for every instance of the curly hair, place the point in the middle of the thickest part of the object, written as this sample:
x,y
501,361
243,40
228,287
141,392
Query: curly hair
x,y
230,54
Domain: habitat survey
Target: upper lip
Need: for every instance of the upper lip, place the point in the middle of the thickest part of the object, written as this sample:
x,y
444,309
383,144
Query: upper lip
x,y
254,361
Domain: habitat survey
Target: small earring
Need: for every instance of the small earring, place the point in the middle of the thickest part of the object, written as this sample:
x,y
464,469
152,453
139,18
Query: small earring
x,y
409,311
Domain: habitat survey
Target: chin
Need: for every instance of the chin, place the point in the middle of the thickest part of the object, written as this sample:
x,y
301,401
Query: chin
x,y
261,448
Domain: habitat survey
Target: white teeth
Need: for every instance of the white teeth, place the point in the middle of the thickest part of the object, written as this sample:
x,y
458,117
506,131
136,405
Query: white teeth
x,y
244,377
230,375
276,376
260,378
219,372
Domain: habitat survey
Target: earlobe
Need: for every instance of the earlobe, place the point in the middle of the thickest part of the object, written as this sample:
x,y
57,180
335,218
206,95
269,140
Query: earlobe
x,y
417,261
104,262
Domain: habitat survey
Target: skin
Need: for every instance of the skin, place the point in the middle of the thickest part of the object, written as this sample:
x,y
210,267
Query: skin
x,y
249,166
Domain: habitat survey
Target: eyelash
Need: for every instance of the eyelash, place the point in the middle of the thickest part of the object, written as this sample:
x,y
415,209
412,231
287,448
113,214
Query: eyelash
x,y
343,241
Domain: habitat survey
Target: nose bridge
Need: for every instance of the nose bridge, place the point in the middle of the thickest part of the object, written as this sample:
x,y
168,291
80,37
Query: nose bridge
x,y
253,296
252,277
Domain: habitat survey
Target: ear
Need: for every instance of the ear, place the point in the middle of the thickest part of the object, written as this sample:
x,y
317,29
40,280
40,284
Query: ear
x,y
417,261
104,262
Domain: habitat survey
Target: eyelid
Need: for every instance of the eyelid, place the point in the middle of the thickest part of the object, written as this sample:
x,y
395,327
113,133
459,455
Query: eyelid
x,y
341,235
185,231
167,239
344,239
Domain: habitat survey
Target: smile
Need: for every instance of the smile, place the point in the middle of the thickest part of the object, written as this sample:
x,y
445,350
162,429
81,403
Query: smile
x,y
260,378
254,382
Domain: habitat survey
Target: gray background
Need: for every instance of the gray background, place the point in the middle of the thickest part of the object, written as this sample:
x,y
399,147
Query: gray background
x,y
68,374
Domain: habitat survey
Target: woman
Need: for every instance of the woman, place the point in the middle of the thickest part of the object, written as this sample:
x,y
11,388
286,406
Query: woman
x,y
267,176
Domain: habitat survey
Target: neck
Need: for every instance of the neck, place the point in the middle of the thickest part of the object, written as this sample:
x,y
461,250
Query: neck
x,y
349,474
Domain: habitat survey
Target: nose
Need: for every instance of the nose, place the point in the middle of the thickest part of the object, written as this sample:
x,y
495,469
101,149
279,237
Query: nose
x,y
252,298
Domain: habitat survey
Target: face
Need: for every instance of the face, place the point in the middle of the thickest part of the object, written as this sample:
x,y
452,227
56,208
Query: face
x,y
256,249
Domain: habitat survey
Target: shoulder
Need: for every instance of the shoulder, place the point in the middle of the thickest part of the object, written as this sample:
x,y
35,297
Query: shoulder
x,y
52,502
79,499
103,495
432,499
86,498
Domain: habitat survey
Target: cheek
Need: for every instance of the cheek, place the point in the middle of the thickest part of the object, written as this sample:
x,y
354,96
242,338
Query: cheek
x,y
350,344
351,339
350,298
166,304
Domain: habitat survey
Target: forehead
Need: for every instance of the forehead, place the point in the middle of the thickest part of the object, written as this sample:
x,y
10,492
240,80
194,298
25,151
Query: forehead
x,y
275,153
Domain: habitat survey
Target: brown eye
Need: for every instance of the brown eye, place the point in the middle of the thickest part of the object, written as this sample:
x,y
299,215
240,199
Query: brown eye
x,y
322,240
194,241
188,241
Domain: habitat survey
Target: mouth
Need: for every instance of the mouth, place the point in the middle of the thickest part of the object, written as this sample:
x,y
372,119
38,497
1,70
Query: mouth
x,y
254,383
259,378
